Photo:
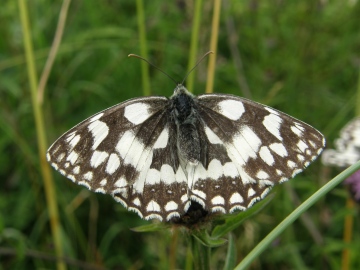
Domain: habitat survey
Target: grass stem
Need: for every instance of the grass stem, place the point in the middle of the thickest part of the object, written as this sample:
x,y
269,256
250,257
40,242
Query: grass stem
x,y
213,46
194,44
41,137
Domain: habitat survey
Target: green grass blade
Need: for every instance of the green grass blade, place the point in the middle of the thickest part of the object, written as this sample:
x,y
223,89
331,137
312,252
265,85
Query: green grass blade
x,y
213,46
194,44
41,136
294,215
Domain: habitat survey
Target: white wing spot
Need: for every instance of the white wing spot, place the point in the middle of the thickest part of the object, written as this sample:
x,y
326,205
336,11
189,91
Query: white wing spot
x,y
262,175
302,146
100,190
279,149
162,140
254,200
171,206
137,113
200,172
236,198
99,132
299,126
272,123
121,182
60,157
312,143
270,110
96,117
74,141
230,170
296,172
265,192
251,192
180,176
137,202
215,169
266,156
245,145
69,137
153,206
172,215
291,164
279,172
184,198
199,193
167,174
103,182
88,176
218,209
300,157
129,148
98,158
76,170
231,109
218,200
112,164
297,131
212,137
72,157
83,183
152,177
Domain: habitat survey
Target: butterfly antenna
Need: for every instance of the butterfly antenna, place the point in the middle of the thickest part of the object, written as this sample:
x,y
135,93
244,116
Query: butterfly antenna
x,y
163,72
198,62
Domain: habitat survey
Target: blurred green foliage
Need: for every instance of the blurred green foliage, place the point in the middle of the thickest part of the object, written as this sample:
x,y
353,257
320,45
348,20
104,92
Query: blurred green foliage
x,y
301,57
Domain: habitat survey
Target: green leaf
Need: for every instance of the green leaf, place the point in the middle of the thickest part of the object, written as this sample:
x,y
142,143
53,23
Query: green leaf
x,y
232,222
154,227
230,261
205,239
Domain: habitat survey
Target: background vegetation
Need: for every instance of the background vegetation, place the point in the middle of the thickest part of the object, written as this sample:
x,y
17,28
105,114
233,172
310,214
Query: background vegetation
x,y
301,57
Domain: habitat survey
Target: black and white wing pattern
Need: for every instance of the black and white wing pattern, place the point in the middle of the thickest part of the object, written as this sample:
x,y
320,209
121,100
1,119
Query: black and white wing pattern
x,y
347,146
157,155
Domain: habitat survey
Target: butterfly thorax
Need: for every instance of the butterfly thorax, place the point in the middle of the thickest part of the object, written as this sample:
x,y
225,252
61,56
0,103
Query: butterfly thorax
x,y
183,112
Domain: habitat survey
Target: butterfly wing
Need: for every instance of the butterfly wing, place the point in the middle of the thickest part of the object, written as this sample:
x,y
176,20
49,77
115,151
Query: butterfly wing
x,y
347,146
250,147
126,151
131,152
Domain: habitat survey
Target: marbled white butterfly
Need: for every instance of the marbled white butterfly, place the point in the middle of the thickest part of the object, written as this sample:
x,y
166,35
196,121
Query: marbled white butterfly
x,y
161,156
347,146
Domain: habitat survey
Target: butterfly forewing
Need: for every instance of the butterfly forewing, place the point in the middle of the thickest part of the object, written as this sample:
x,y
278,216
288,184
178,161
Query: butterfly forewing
x,y
156,155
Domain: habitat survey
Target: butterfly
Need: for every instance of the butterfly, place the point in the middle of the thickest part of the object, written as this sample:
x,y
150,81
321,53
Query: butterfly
x,y
347,146
161,157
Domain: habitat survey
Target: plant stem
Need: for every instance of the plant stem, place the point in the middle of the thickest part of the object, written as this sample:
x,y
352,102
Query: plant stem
x,y
201,255
41,137
213,46
53,50
194,44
